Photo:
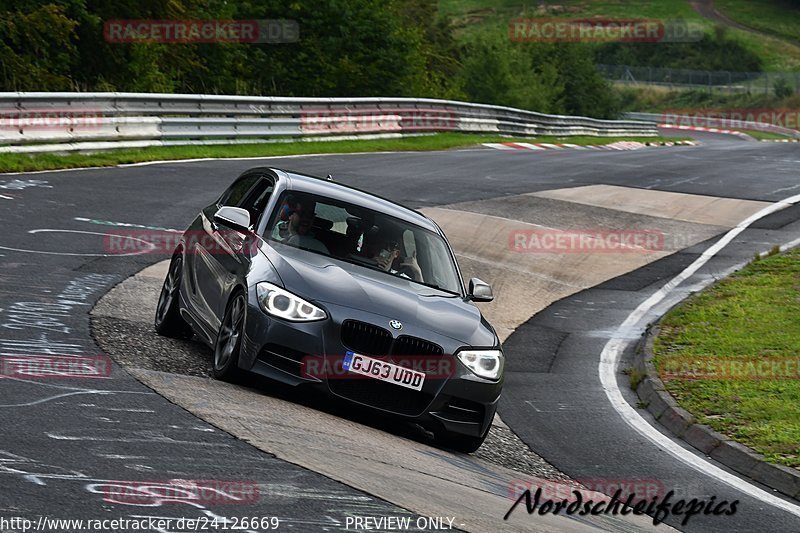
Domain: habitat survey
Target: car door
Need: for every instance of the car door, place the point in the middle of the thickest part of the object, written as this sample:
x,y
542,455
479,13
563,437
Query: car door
x,y
202,244
223,258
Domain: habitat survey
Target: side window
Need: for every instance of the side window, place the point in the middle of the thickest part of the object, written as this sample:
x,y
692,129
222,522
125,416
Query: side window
x,y
235,193
256,200
332,217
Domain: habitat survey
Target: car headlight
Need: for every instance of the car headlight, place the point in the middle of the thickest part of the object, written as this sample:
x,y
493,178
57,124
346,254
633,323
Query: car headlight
x,y
283,304
484,363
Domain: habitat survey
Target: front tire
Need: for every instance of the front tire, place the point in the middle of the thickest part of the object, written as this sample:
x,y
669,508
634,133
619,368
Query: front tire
x,y
168,321
229,340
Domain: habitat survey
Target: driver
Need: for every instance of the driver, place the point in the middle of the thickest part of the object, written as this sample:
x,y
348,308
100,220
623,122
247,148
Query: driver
x,y
294,225
386,255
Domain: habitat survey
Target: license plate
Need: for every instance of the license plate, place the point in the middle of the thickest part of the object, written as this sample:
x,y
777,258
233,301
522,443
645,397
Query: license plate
x,y
383,371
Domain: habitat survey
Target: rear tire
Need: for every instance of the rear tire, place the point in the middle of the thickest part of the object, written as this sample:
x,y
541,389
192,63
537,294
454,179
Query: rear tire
x,y
229,340
168,321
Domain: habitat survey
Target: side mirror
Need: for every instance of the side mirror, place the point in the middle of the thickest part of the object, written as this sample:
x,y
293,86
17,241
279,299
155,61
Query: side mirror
x,y
480,291
233,217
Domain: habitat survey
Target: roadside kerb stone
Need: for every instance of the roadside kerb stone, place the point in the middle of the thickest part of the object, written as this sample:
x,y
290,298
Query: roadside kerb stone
x,y
680,422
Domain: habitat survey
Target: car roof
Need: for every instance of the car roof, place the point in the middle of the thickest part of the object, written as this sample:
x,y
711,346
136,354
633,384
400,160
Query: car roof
x,y
338,191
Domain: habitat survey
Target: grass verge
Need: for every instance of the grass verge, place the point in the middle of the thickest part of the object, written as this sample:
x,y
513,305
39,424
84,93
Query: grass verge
x,y
765,135
776,17
731,356
441,141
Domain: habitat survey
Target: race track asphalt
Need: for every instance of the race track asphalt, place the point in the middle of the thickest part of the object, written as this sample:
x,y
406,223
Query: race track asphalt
x,y
66,444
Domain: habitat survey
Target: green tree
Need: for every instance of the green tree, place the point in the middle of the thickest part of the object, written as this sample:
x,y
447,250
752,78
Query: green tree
x,y
37,51
586,92
346,48
715,51
544,77
783,88
496,71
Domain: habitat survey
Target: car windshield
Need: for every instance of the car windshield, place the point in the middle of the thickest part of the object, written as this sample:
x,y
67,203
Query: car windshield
x,y
363,237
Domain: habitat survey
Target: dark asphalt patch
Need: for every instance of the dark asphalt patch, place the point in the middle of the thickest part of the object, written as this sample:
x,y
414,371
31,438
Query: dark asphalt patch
x,y
532,348
780,219
655,272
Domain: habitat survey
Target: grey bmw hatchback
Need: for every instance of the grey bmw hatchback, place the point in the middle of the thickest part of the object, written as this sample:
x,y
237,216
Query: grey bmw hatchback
x,y
313,283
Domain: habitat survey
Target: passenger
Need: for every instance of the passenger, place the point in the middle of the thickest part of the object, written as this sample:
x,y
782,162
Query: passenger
x,y
387,253
294,225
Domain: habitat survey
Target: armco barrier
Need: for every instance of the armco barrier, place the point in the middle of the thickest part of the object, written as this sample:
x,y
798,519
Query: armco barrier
x,y
707,120
38,122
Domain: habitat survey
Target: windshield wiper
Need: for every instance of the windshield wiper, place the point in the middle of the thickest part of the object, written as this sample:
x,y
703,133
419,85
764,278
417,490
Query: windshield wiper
x,y
438,288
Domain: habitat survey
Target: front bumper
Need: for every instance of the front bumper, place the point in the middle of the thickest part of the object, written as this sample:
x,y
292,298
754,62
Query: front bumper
x,y
297,353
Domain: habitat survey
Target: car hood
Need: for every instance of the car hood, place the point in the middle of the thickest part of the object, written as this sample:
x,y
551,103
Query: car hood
x,y
323,279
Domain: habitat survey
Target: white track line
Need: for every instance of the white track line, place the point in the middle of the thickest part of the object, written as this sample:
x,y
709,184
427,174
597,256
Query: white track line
x,y
47,230
609,361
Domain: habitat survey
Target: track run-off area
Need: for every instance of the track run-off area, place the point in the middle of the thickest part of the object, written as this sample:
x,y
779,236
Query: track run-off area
x,y
570,318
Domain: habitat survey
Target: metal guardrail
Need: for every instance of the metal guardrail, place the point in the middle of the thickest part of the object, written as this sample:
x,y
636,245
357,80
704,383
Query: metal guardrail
x,y
707,120
40,122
